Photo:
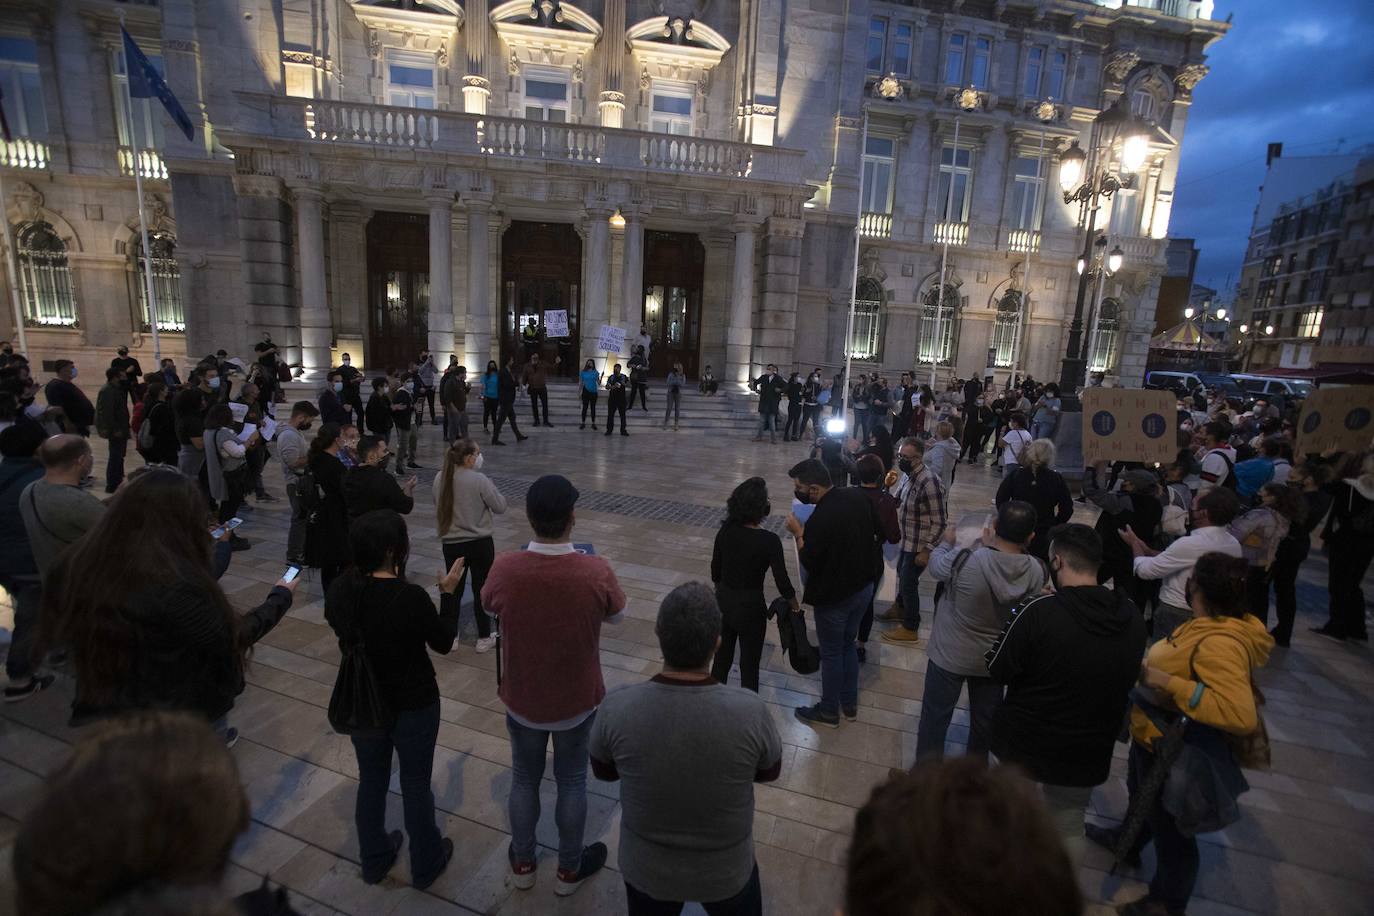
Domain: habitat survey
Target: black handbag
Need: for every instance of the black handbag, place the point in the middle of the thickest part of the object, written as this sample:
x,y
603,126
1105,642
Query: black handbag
x,y
356,706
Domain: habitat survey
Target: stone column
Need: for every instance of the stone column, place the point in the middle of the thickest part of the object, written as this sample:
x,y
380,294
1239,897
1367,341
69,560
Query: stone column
x,y
777,319
612,102
739,338
477,327
632,271
317,331
596,278
440,275
476,87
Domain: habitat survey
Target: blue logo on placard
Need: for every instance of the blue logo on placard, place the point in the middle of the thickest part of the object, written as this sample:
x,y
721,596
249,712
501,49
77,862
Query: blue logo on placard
x,y
1314,419
1153,425
1104,424
1357,418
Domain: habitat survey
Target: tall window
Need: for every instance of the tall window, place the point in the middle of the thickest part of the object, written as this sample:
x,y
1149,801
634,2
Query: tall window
x,y
1310,323
1125,213
44,277
955,166
409,79
868,304
877,41
147,113
546,94
901,49
878,169
23,92
1028,182
954,59
982,57
1059,65
166,281
1035,66
1143,104
938,332
1102,352
672,109
1004,328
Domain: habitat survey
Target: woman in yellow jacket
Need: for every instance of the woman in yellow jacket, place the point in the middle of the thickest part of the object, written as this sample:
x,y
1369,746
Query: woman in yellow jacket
x,y
1203,670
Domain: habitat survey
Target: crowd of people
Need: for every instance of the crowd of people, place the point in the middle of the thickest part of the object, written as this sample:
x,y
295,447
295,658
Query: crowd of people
x,y
1156,615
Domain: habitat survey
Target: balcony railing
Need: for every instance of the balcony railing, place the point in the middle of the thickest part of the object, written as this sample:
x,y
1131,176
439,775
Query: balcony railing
x,y
1140,250
350,123
1181,9
953,233
150,164
23,153
1023,240
876,225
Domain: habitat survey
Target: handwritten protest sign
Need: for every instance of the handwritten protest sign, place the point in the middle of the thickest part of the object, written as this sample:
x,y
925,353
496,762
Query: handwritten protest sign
x,y
556,323
611,339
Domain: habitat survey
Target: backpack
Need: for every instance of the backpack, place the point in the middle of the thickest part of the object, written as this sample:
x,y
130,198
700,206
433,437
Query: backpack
x,y
1229,481
1174,521
145,430
804,657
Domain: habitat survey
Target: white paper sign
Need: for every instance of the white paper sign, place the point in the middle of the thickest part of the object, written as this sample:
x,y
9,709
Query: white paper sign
x,y
238,410
248,430
269,429
611,339
556,323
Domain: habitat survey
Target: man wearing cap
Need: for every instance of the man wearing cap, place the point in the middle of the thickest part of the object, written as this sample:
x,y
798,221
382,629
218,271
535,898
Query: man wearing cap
x,y
550,601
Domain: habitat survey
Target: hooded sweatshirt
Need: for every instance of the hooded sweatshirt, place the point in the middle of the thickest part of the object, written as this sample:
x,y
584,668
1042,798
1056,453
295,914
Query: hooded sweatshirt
x,y
1228,651
981,590
1069,661
941,456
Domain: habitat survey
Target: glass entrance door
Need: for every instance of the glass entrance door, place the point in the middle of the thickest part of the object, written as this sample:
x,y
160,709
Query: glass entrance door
x,y
397,289
673,267
541,270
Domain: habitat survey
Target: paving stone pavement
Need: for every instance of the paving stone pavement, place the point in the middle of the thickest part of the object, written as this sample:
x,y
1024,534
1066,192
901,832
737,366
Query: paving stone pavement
x,y
650,504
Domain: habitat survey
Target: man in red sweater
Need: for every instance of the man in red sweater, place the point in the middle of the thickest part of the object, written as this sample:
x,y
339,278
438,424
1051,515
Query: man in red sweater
x,y
550,601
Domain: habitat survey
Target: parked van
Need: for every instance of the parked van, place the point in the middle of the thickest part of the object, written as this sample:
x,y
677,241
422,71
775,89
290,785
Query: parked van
x,y
1270,386
1173,379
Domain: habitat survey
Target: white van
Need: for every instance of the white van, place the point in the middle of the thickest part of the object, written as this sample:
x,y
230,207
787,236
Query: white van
x,y
1270,385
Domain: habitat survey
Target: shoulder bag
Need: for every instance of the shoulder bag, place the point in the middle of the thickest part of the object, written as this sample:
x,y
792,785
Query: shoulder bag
x,y
357,707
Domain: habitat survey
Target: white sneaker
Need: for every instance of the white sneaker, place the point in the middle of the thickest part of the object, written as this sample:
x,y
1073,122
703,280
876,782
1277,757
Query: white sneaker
x,y
485,644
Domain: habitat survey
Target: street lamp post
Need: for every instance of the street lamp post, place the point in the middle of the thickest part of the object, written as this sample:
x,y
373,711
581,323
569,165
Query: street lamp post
x,y
1248,337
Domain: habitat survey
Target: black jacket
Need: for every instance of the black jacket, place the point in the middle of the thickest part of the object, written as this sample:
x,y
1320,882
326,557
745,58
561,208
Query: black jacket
x,y
1069,661
507,386
78,408
377,415
326,537
839,546
367,487
332,409
162,422
770,393
1047,492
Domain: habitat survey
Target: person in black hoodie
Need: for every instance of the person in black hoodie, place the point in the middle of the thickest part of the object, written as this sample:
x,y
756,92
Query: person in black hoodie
x,y
1069,661
508,385
378,411
1135,505
369,485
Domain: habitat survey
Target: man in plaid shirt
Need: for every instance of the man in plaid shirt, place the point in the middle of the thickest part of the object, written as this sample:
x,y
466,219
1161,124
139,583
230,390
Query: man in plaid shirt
x,y
922,515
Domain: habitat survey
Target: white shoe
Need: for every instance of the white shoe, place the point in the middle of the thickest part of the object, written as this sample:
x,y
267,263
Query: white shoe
x,y
485,644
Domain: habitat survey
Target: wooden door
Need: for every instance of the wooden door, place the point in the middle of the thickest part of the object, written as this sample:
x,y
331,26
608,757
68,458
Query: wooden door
x,y
674,264
541,270
397,289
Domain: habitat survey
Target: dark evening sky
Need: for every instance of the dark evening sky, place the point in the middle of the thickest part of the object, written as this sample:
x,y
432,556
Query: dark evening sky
x,y
1301,73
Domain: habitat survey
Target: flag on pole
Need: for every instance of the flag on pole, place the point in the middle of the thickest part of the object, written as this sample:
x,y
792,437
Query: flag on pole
x,y
146,83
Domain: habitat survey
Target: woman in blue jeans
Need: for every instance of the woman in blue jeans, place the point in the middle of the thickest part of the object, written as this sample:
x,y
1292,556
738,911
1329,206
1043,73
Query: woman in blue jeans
x,y
396,620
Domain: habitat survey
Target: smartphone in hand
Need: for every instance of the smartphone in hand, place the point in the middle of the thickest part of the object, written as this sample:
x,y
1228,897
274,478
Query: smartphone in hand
x,y
228,526
291,573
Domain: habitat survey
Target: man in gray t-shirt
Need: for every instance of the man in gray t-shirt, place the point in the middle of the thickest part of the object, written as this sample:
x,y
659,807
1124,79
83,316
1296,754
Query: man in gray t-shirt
x,y
56,511
687,751
294,453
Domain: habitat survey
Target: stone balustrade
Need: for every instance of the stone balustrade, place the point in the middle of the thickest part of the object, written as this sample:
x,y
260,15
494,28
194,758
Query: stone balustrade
x,y
23,153
876,225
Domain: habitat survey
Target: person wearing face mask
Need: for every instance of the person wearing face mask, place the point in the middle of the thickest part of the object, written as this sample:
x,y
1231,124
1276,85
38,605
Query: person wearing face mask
x,y
453,396
61,392
536,382
923,518
708,383
465,500
378,414
352,395
617,384
112,425
770,388
791,432
293,453
811,405
491,394
507,388
423,376
266,352
589,381
1068,661
56,510
130,373
403,415
673,391
368,485
348,445
332,409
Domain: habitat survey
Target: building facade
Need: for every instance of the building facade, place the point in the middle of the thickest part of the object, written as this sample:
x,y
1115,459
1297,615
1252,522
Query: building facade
x,y
1347,334
377,176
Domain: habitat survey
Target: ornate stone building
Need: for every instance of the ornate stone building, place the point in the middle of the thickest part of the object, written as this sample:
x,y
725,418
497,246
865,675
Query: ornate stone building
x,y
374,176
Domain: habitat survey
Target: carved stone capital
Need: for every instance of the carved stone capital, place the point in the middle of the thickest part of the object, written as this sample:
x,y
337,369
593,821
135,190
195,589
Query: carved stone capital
x,y
1187,78
1120,64
612,97
477,82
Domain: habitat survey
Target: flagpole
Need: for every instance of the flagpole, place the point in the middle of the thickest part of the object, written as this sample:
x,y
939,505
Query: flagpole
x,y
11,258
142,215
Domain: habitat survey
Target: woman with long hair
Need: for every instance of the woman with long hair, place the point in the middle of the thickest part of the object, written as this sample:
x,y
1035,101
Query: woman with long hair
x,y
590,383
1037,482
136,603
1308,481
1203,669
162,426
464,501
744,553
326,534
396,621
226,465
1259,531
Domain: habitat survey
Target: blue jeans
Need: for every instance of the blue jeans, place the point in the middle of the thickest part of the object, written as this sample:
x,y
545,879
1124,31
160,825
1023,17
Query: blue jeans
x,y
768,422
938,700
527,749
837,626
748,902
412,738
1043,429
1176,855
908,579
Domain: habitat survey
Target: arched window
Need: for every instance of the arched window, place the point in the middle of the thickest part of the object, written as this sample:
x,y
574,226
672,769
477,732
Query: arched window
x,y
864,341
1005,326
1103,353
166,281
44,277
939,327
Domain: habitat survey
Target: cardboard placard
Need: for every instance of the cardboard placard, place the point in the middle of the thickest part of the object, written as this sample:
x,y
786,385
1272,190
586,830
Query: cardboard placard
x,y
1336,418
1129,424
611,339
556,323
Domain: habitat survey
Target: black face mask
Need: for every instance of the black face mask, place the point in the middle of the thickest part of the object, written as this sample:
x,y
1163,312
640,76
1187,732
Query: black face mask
x,y
905,465
803,497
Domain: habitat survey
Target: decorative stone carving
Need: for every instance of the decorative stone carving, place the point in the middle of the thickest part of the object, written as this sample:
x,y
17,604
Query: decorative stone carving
x,y
1045,111
178,44
28,201
477,82
577,73
770,111
610,96
1187,78
442,54
889,87
868,265
297,57
644,79
1120,64
374,44
513,65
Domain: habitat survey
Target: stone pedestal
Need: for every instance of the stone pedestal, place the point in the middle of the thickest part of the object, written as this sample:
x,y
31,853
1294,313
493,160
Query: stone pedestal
x,y
596,279
477,327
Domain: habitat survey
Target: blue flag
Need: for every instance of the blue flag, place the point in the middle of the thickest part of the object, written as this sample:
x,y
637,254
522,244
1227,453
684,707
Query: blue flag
x,y
146,83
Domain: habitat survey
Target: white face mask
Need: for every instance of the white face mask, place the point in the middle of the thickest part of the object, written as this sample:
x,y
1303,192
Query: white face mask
x,y
338,386
477,464
214,383
73,372
347,361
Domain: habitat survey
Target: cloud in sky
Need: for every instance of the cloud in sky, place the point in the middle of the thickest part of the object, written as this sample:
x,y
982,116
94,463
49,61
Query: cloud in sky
x,y
1301,74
